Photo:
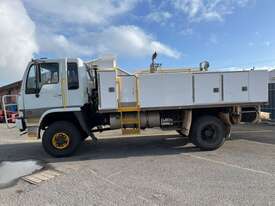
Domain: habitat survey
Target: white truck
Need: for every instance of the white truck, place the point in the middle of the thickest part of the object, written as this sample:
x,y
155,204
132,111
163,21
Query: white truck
x,y
64,101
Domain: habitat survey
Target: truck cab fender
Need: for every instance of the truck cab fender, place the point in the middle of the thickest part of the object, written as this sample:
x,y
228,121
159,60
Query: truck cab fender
x,y
74,111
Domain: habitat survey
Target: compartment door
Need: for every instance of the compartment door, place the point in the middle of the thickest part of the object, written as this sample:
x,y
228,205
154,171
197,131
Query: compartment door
x,y
128,91
207,88
107,90
165,90
258,86
235,86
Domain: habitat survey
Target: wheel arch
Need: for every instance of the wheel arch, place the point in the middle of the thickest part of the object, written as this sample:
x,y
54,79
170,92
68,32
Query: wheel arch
x,y
73,115
222,113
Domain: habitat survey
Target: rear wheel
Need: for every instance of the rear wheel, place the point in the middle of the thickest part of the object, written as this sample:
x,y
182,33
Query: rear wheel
x,y
61,139
208,133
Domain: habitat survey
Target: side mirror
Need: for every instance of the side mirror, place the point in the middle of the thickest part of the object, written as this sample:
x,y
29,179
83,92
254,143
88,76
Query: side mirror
x,y
37,93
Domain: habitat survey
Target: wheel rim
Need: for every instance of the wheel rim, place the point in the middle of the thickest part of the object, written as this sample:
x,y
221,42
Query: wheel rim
x,y
208,133
61,140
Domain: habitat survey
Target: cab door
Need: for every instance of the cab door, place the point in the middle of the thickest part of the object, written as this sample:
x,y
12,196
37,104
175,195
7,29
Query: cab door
x,y
42,87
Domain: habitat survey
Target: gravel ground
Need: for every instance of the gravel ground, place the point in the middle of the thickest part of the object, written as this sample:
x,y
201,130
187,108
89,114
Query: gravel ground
x,y
156,168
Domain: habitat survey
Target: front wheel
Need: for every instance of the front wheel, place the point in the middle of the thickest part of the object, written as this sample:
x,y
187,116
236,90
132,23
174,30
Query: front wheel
x,y
61,139
208,133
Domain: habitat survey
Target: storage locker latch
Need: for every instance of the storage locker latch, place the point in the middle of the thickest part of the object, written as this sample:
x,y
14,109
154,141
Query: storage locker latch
x,y
216,90
244,88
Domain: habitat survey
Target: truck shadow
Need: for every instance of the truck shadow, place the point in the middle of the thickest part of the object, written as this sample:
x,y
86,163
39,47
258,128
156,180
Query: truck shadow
x,y
255,133
107,148
265,140
120,147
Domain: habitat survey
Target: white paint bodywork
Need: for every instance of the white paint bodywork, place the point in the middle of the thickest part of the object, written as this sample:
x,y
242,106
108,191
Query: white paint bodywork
x,y
204,84
58,110
56,95
159,90
188,89
107,90
162,90
128,89
258,91
78,97
233,83
50,95
104,62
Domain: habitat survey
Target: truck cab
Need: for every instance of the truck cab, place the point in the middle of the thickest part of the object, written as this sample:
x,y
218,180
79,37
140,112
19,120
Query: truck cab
x,y
51,85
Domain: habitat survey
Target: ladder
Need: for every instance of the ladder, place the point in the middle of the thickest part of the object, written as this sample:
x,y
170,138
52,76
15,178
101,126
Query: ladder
x,y
130,114
130,120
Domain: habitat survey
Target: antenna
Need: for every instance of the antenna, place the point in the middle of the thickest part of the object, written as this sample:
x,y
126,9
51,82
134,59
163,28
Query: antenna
x,y
154,66
154,56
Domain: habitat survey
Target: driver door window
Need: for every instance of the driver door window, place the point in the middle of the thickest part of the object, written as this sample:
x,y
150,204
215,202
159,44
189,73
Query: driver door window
x,y
73,82
48,74
31,86
41,74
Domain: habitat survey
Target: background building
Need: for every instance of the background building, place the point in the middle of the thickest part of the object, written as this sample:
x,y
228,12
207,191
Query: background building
x,y
13,88
271,91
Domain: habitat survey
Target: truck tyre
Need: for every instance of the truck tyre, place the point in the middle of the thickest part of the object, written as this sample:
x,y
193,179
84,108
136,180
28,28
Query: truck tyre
x,y
61,139
208,133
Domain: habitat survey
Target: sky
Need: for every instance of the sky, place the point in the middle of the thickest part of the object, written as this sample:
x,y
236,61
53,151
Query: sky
x,y
230,34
